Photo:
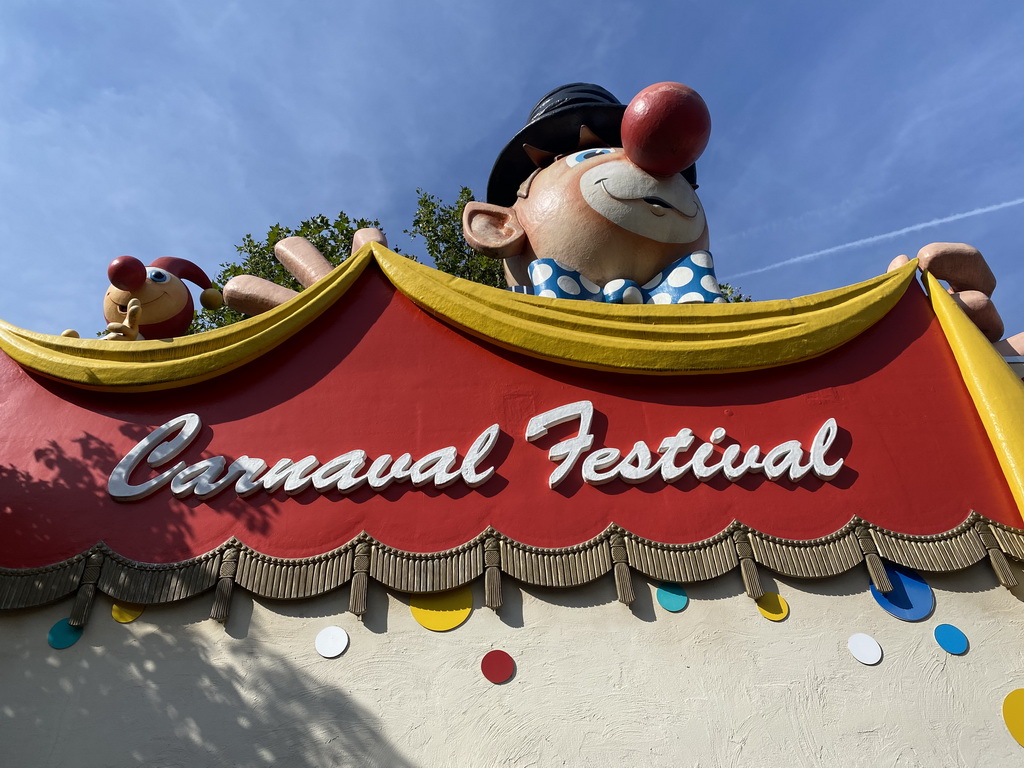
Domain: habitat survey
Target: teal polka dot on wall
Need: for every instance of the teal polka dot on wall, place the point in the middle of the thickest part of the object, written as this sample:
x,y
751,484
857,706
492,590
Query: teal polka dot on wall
x,y
63,635
672,597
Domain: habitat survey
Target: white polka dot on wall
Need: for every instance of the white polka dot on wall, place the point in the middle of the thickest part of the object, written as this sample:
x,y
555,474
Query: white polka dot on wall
x,y
331,642
865,649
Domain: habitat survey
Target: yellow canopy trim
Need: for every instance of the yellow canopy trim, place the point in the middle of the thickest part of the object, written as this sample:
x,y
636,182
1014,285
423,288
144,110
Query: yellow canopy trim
x,y
997,393
653,339
142,366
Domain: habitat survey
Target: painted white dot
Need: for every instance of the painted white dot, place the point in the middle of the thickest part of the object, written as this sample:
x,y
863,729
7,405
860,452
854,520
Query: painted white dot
x,y
589,284
540,272
547,294
709,284
691,298
660,298
331,642
680,276
569,285
632,295
720,300
654,282
564,267
702,259
865,649
613,285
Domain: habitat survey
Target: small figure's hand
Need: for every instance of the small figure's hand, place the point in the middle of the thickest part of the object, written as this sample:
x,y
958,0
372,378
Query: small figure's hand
x,y
129,329
970,279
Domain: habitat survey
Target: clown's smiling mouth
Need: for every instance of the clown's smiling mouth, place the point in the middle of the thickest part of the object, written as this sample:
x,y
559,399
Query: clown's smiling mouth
x,y
123,308
659,205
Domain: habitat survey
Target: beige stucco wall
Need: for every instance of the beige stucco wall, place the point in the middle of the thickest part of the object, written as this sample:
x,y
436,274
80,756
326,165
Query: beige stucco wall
x,y
597,683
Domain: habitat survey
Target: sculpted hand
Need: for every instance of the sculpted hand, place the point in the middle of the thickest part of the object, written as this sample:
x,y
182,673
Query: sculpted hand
x,y
129,329
252,295
970,280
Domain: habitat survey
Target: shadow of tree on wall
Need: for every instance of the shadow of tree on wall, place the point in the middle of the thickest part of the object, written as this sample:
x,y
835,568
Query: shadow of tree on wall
x,y
58,505
176,690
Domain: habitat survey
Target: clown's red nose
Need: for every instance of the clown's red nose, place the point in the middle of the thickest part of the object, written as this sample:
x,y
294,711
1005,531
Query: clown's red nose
x,y
126,273
665,128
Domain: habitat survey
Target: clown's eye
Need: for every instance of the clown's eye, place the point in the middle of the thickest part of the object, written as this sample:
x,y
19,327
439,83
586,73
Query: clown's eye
x,y
578,157
156,275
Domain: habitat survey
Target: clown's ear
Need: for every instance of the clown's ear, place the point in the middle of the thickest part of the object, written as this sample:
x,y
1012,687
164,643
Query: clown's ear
x,y
493,230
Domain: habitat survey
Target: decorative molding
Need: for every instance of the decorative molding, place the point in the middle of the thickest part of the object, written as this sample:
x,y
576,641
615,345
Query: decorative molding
x,y
492,554
86,589
623,581
748,568
876,569
492,573
813,559
1010,540
561,567
432,572
996,557
30,587
950,551
683,563
226,572
283,579
152,583
360,578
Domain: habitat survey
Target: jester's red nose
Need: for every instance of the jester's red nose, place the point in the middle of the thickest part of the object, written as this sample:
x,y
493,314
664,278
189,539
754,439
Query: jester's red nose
x,y
127,273
665,128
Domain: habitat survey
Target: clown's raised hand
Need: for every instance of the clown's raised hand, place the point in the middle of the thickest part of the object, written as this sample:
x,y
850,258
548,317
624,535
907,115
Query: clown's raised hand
x,y
970,280
129,329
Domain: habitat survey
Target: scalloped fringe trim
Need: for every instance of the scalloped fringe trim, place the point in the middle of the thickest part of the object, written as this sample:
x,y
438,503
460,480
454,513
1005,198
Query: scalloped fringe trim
x,y
491,554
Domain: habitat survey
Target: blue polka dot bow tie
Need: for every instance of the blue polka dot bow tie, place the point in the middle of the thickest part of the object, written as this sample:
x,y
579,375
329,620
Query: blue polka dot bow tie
x,y
690,280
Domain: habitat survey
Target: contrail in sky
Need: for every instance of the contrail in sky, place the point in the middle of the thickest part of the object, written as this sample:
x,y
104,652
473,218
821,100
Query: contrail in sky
x,y
879,238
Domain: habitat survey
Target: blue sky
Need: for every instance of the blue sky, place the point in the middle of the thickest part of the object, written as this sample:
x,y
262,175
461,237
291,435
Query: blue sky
x,y
843,134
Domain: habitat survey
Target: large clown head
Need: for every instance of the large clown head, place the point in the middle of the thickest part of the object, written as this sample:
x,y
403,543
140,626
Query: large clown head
x,y
606,190
167,306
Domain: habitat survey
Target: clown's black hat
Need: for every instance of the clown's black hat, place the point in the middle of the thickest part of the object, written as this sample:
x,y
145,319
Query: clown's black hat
x,y
554,126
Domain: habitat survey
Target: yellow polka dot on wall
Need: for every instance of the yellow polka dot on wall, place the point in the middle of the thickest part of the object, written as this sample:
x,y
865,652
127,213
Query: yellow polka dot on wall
x,y
441,611
1013,714
125,613
773,606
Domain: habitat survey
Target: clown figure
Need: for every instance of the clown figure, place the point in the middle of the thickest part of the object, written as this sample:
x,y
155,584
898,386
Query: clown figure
x,y
152,302
596,200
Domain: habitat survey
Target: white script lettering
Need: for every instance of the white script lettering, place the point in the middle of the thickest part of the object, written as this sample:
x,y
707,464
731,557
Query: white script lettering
x,y
208,477
606,464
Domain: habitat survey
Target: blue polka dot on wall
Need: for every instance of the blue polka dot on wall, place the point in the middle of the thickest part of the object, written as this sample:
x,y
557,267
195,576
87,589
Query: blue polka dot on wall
x,y
911,598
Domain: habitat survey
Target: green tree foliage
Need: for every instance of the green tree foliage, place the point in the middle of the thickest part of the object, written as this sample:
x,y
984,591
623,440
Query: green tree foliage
x,y
732,293
440,227
332,238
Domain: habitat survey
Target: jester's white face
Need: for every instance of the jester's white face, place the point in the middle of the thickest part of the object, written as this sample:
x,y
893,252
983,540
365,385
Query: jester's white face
x,y
597,212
